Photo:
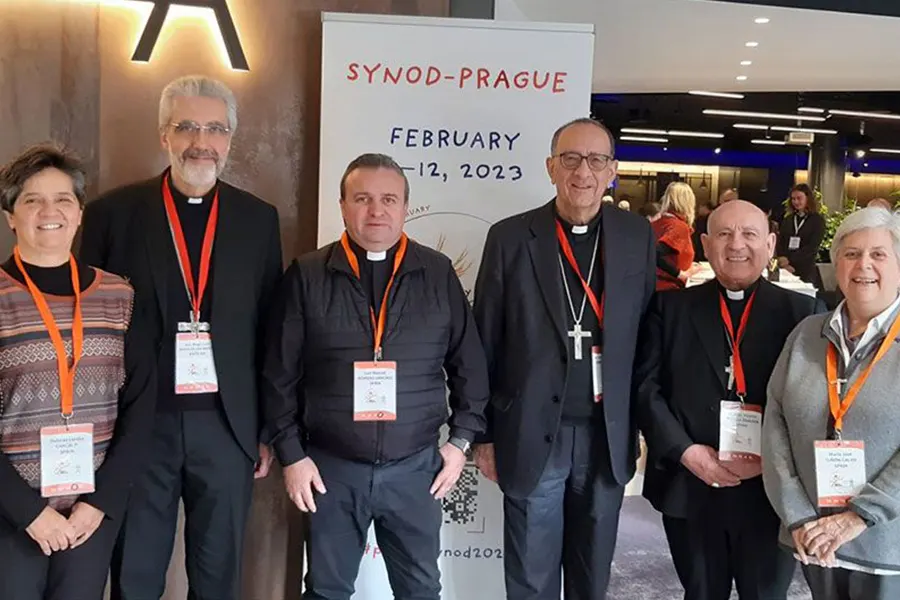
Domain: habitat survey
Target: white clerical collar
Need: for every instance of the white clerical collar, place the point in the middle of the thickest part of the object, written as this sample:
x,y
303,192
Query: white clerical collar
x,y
195,200
579,229
734,294
376,256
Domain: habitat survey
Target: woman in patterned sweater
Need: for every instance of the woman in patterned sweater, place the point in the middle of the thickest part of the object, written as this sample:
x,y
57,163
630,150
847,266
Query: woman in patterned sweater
x,y
76,391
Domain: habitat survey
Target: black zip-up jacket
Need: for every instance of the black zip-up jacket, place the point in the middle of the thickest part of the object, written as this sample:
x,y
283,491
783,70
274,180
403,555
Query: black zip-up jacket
x,y
321,325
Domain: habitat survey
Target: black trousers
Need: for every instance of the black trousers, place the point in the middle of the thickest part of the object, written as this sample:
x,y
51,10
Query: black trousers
x,y
843,584
79,574
395,496
569,521
195,458
730,544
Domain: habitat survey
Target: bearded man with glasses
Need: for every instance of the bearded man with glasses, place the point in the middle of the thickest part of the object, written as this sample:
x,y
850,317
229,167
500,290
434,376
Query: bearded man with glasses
x,y
207,256
559,300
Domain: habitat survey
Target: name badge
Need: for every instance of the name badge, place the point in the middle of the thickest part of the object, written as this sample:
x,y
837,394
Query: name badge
x,y
794,242
195,367
597,372
740,432
67,460
375,391
840,471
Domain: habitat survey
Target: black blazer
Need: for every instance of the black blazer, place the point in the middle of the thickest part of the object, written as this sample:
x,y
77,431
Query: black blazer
x,y
126,232
520,310
803,259
681,381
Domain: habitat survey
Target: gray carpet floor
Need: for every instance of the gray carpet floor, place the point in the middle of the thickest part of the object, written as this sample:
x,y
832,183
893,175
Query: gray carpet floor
x,y
642,568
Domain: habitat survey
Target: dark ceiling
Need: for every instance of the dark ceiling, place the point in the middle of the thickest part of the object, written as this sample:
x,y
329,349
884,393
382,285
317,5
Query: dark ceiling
x,y
685,112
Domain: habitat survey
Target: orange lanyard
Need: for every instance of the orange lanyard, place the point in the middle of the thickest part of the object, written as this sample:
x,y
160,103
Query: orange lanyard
x,y
739,380
570,257
839,409
66,373
377,325
195,295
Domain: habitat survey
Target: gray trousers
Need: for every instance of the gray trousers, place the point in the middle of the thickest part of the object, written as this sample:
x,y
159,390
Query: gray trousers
x,y
844,584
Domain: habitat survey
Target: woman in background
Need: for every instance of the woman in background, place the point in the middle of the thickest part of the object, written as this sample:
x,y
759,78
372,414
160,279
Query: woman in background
x,y
800,236
674,246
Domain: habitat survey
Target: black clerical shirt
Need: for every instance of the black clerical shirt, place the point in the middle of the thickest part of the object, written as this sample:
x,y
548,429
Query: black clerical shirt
x,y
193,217
579,403
736,311
374,274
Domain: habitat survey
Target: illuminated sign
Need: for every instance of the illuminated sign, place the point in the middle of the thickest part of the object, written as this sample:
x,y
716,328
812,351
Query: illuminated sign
x,y
157,18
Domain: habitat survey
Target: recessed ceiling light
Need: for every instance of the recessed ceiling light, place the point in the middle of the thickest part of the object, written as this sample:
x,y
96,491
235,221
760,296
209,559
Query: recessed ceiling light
x,y
746,63
865,115
638,138
659,132
761,115
885,150
741,78
716,94
810,109
804,129
752,44
750,126
761,20
718,150
770,142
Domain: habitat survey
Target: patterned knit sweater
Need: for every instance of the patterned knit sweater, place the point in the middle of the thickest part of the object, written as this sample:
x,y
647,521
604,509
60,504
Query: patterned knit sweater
x,y
29,378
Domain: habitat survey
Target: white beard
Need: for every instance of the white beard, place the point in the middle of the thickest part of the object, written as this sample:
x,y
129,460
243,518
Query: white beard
x,y
195,175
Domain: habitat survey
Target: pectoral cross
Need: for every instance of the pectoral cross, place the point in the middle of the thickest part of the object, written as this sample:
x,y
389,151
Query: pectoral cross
x,y
577,334
729,368
840,384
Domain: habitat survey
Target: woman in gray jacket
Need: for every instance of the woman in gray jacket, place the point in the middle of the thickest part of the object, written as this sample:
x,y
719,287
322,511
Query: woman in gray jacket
x,y
831,433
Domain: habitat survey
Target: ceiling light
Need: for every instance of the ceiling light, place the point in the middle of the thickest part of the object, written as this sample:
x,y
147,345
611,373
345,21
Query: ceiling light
x,y
761,20
716,94
638,138
741,78
885,150
718,150
746,63
750,126
770,142
643,131
760,115
866,115
860,153
752,44
809,109
699,134
804,129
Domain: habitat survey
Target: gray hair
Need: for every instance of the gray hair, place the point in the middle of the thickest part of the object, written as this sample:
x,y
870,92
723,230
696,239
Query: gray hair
x,y
583,121
34,160
867,218
375,161
194,86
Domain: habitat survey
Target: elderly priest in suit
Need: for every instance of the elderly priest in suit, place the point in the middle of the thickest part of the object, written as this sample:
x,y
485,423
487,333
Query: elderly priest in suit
x,y
559,299
705,358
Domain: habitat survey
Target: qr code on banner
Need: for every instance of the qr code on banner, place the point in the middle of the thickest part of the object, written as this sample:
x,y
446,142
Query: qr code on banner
x,y
461,504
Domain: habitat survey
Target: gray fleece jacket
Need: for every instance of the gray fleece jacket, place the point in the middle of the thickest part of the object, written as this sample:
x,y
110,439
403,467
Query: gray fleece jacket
x,y
797,415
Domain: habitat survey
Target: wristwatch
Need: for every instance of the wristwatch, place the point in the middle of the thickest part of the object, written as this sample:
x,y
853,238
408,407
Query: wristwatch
x,y
462,444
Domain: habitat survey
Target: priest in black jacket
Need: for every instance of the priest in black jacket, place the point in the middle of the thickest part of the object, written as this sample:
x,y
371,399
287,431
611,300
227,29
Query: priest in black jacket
x,y
190,243
706,356
366,336
562,442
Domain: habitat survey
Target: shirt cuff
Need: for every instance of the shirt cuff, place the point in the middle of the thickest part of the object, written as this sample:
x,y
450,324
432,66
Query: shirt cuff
x,y
289,450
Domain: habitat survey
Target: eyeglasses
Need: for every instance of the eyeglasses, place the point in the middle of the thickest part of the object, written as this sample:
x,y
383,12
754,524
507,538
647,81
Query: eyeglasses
x,y
190,128
595,161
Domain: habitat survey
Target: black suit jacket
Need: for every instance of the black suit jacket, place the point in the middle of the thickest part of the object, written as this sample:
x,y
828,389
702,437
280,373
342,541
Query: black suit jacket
x,y
521,314
126,232
681,381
